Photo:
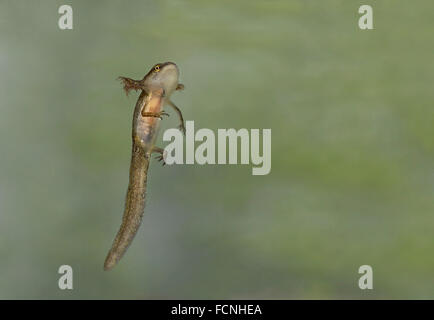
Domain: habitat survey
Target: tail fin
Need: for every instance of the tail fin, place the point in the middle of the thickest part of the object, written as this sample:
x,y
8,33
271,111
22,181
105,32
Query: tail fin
x,y
134,207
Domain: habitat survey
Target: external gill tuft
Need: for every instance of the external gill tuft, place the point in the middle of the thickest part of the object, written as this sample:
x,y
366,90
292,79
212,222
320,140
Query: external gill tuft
x,y
130,84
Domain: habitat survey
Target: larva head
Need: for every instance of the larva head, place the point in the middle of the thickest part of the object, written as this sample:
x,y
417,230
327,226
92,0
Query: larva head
x,y
162,75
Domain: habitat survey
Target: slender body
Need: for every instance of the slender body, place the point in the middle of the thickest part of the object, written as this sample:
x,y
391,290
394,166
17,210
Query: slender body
x,y
156,86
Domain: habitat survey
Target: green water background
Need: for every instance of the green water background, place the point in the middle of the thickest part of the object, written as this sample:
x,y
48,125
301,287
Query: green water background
x,y
352,177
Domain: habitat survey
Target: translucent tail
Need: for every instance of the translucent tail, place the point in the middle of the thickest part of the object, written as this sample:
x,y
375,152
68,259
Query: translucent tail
x,y
134,207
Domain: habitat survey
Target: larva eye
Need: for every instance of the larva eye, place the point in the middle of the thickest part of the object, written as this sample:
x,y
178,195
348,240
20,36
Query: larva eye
x,y
157,68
